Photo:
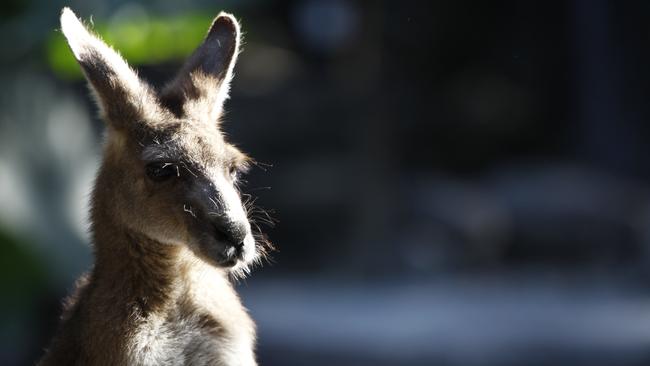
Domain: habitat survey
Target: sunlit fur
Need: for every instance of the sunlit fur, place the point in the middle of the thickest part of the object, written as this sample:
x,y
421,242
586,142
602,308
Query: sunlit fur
x,y
160,292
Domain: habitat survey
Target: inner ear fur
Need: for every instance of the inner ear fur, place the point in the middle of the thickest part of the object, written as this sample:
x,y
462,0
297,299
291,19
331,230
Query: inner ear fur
x,y
123,97
202,85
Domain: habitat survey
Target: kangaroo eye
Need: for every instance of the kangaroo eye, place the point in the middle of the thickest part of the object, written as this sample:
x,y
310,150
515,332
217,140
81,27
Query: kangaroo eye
x,y
159,172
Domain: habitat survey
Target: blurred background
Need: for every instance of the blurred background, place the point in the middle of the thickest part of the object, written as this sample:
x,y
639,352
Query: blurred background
x,y
456,182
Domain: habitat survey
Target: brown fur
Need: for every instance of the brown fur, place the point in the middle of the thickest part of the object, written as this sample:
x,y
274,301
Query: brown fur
x,y
159,291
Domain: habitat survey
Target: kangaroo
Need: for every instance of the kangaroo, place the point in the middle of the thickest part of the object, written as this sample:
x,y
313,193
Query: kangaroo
x,y
168,225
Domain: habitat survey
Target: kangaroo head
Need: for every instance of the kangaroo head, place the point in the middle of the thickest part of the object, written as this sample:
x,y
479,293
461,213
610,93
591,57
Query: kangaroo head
x,y
167,172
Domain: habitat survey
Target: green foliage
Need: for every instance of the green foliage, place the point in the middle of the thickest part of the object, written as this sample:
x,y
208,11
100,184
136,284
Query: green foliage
x,y
140,40
22,272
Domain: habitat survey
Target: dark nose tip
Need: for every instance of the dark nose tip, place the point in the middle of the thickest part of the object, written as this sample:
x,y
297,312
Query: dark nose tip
x,y
233,232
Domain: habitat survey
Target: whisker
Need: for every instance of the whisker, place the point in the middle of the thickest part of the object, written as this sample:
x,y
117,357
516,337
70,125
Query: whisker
x,y
188,209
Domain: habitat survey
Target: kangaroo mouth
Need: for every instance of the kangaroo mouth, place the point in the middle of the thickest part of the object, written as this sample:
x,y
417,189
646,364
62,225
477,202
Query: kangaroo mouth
x,y
220,245
231,252
217,252
232,255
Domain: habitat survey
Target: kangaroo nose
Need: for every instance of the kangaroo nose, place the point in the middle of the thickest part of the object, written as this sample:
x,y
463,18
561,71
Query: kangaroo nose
x,y
233,232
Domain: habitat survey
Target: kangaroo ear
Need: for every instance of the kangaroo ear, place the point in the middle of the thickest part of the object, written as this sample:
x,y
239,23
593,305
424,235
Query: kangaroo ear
x,y
122,96
202,85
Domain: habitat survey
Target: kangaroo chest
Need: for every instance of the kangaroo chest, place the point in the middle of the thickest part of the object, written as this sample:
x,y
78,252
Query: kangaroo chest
x,y
207,325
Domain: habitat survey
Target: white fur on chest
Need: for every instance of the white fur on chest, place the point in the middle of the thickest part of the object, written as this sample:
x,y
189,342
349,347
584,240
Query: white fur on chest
x,y
176,338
